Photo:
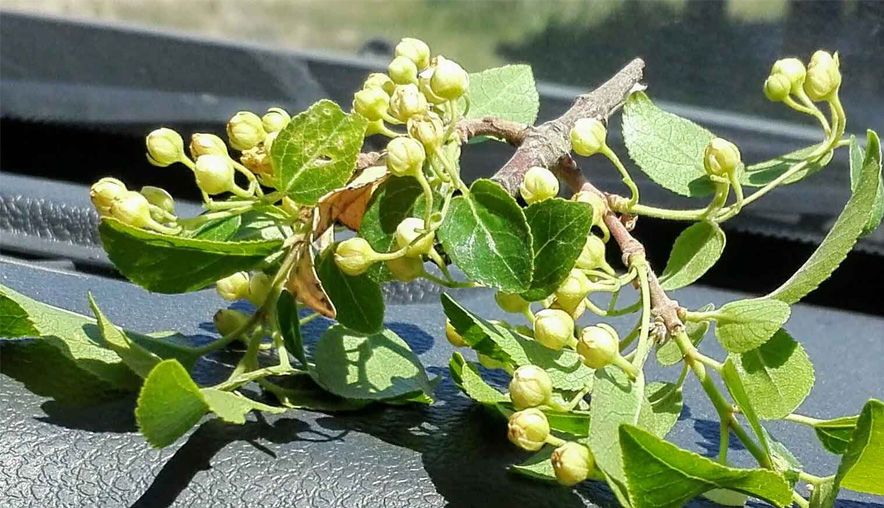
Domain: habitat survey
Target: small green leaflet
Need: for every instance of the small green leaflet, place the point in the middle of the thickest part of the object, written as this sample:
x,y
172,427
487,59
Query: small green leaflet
x,y
506,92
615,401
746,324
734,384
174,264
466,377
316,152
777,375
14,320
376,367
669,354
290,326
761,174
486,235
302,392
660,409
559,229
137,358
358,301
253,225
695,251
668,148
169,404
661,475
538,466
857,162
835,434
843,235
232,407
861,465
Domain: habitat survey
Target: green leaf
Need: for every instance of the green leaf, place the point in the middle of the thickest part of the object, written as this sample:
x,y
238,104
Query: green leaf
x,y
233,407
669,353
289,324
844,233
486,235
835,434
559,229
137,358
316,152
695,251
860,467
668,148
466,376
14,320
661,407
734,384
396,199
175,264
615,401
506,92
761,174
302,392
538,466
170,404
259,224
777,375
661,475
358,301
746,324
726,497
857,163
375,367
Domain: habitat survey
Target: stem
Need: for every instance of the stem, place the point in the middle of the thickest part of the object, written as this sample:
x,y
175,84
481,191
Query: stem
x,y
724,437
627,180
805,420
428,196
799,500
553,440
644,346
245,378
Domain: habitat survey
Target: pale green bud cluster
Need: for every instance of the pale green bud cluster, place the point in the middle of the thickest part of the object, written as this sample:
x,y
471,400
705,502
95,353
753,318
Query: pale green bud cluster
x,y
793,70
260,285
206,144
354,256
275,120
820,80
372,103
554,328
245,130
588,136
214,174
405,156
597,203
380,80
573,290
449,81
531,386
823,76
539,184
105,192
598,346
133,209
528,429
164,147
415,50
777,87
410,235
405,268
159,198
572,463
428,129
510,302
233,287
593,254
407,101
402,71
721,157
228,321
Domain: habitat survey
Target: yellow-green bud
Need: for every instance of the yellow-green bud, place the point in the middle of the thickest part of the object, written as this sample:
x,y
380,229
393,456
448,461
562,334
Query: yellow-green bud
x,y
380,80
164,147
572,463
214,174
598,205
823,76
528,429
598,347
159,197
721,157
424,84
415,50
405,156
539,184
406,269
407,101
793,69
275,120
408,235
245,130
449,80
531,386
268,142
354,256
554,328
228,321
259,287
428,129
131,208
777,87
372,103
510,302
233,287
453,337
402,71
593,254
490,363
105,192
206,144
572,291
588,136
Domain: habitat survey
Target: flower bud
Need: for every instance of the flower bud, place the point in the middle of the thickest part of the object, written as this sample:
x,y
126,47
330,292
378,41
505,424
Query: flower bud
x,y
593,254
405,157
721,157
428,129
228,321
823,76
530,387
528,429
539,184
207,144
380,80
275,120
407,235
449,81
233,287
402,71
105,192
598,205
415,50
372,103
406,269
588,136
159,198
164,147
131,208
424,80
794,71
453,337
259,287
510,302
245,130
406,102
354,256
553,328
572,463
598,347
573,290
214,174
490,363
777,87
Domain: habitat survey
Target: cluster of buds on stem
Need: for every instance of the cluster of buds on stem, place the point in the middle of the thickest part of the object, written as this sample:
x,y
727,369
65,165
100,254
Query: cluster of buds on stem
x,y
242,286
152,208
819,81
